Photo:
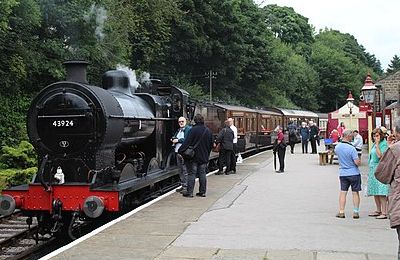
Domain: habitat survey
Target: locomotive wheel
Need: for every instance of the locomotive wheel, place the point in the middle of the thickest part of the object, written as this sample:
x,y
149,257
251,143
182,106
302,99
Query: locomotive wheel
x,y
153,165
170,158
128,172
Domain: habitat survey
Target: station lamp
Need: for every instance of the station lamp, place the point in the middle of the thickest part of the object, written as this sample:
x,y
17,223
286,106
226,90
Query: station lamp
x,y
350,103
368,90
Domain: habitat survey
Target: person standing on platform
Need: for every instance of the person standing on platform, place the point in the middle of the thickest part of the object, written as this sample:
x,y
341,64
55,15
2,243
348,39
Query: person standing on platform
x,y
305,136
357,141
225,139
235,147
377,189
349,174
334,136
292,128
388,172
177,140
341,129
314,130
201,136
391,139
280,148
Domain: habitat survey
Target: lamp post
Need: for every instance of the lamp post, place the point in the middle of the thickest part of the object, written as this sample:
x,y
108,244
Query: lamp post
x,y
211,75
368,92
350,105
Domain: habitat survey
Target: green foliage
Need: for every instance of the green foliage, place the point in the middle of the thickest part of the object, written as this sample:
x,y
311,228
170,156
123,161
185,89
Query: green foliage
x,y
17,164
341,65
12,124
5,175
151,31
17,41
394,65
22,156
291,27
12,177
23,176
273,97
193,89
6,7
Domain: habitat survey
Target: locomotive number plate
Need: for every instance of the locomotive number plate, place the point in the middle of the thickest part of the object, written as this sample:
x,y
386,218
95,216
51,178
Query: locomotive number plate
x,y
63,123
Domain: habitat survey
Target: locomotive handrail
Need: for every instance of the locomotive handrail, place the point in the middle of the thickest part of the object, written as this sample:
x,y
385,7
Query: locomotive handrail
x,y
66,116
41,172
144,118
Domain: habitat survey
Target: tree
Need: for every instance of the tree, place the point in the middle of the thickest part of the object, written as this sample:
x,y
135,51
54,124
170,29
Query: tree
x,y
341,64
196,45
394,65
291,27
150,31
17,36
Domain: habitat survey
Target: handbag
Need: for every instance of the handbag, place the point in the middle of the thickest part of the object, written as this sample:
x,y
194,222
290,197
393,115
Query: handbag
x,y
216,148
189,153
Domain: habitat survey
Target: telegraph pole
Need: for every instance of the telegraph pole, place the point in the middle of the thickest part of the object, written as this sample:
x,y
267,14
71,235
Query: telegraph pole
x,y
211,75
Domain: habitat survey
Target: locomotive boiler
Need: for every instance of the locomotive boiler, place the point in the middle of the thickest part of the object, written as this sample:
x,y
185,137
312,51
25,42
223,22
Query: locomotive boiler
x,y
99,148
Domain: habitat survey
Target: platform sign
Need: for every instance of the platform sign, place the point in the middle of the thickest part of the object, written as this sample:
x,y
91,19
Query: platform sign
x,y
378,122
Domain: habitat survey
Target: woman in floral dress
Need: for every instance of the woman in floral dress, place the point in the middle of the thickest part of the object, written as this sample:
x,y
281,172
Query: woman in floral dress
x,y
376,188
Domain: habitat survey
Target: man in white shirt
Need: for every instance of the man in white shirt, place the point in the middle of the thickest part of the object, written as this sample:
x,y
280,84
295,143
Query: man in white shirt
x,y
358,141
177,140
235,139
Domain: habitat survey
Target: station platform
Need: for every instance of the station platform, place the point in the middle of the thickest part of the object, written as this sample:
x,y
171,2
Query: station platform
x,y
254,214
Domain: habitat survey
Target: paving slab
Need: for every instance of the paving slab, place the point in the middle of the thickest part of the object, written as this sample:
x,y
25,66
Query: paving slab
x,y
290,255
240,254
189,252
340,256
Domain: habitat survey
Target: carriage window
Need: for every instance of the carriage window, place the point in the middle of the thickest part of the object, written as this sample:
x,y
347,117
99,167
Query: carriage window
x,y
239,125
253,124
264,124
269,123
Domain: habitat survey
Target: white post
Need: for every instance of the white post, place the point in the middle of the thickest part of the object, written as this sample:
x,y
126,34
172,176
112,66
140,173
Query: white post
x,y
210,75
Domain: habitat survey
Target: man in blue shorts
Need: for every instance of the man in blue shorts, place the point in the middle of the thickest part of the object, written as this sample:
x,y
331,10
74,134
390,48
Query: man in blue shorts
x,y
349,174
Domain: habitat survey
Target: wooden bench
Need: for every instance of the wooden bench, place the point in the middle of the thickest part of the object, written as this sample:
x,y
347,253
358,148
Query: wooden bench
x,y
323,157
326,157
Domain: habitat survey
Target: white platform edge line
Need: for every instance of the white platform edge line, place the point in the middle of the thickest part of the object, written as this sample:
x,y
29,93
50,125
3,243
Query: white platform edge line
x,y
115,221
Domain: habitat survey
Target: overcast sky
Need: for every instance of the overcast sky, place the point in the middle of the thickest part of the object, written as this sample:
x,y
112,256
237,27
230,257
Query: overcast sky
x,y
375,24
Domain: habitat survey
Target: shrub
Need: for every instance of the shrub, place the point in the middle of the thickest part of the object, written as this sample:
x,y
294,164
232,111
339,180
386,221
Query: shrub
x,y
4,175
21,176
23,156
13,177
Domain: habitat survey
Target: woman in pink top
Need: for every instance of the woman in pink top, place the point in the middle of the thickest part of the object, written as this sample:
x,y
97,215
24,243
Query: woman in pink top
x,y
281,148
341,129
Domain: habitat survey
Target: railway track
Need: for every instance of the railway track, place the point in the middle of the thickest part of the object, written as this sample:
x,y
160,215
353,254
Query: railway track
x,y
18,239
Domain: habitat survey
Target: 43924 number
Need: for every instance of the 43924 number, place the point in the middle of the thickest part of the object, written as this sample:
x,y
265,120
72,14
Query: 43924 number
x,y
63,123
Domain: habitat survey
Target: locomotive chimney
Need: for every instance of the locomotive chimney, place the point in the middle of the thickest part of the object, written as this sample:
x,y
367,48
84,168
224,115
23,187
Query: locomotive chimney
x,y
76,70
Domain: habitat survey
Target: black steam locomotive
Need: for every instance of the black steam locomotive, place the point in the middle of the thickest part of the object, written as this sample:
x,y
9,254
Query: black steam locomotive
x,y
100,148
